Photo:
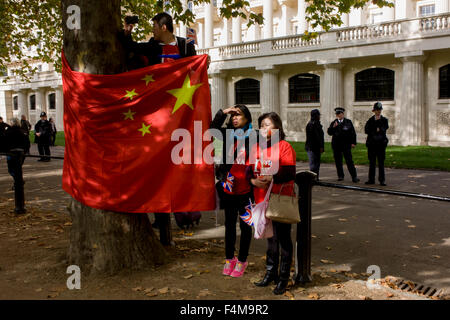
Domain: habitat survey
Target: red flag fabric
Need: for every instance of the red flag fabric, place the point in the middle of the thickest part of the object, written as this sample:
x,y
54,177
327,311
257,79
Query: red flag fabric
x,y
118,130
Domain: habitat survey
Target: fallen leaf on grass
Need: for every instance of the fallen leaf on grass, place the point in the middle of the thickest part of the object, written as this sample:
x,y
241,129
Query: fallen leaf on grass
x,y
389,295
181,291
331,235
147,290
204,293
164,290
152,294
38,290
137,289
68,224
415,247
365,298
342,232
314,296
336,285
324,275
326,261
436,256
328,248
188,276
300,290
289,295
313,236
411,226
342,219
52,295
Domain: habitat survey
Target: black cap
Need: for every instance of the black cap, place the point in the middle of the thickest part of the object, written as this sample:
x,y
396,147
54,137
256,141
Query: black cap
x,y
315,112
377,106
339,110
43,114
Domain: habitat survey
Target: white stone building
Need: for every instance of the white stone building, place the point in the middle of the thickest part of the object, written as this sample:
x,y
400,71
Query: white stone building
x,y
399,56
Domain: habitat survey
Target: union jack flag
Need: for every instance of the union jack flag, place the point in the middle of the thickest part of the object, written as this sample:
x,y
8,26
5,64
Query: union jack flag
x,y
247,217
191,36
228,185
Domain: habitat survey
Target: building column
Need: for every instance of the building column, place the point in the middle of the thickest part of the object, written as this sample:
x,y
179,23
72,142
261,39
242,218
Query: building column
x,y
200,36
389,13
284,23
442,6
332,93
22,102
355,17
403,9
182,32
59,102
40,101
6,105
270,97
268,19
226,34
209,31
345,20
301,16
412,109
219,91
236,30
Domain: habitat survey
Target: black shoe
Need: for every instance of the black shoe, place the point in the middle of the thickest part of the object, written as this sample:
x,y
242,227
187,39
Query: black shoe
x,y
370,182
355,180
268,278
281,287
41,159
340,178
382,184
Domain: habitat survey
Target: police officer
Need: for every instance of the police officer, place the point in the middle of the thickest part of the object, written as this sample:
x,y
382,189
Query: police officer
x,y
43,133
376,143
343,140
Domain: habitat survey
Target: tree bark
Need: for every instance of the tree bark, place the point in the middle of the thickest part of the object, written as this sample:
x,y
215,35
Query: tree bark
x,y
104,241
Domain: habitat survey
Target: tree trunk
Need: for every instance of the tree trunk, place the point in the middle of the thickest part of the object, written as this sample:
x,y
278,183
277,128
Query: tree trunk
x,y
104,241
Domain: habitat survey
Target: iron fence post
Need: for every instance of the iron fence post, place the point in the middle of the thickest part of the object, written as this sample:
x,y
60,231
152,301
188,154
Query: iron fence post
x,y
305,181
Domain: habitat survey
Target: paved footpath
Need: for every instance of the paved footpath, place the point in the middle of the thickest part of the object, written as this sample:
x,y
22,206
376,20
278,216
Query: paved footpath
x,y
405,237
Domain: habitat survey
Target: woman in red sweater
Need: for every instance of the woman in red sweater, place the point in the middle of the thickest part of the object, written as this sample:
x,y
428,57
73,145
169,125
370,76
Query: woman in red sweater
x,y
275,160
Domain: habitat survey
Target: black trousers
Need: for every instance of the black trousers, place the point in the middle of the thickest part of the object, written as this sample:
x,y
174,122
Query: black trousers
x,y
338,152
314,161
234,206
44,149
281,238
376,152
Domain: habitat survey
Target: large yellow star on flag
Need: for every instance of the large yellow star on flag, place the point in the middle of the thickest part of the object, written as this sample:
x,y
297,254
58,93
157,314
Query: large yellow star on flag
x,y
148,78
131,94
129,115
184,94
145,129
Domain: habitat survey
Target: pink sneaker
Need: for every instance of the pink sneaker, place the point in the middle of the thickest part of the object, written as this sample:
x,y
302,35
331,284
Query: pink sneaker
x,y
239,269
229,266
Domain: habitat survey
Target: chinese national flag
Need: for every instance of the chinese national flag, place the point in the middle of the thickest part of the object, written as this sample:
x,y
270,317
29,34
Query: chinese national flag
x,y
118,132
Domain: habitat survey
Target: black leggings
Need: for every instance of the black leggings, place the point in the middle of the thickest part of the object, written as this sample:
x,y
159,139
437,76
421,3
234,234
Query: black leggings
x,y
234,206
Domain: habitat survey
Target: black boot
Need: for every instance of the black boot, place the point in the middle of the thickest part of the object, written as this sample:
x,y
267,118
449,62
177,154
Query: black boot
x,y
281,287
268,278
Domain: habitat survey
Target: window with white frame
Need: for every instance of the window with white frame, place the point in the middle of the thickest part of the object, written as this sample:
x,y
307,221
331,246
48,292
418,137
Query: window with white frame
x,y
16,103
426,10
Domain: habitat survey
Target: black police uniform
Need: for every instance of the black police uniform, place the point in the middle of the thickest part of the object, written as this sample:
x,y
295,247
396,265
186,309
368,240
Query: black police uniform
x,y
344,135
314,141
45,129
376,146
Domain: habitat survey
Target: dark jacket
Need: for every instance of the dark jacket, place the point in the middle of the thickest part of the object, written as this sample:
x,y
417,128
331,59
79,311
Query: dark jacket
x,y
219,123
3,128
45,128
16,138
25,125
314,136
344,134
376,131
142,54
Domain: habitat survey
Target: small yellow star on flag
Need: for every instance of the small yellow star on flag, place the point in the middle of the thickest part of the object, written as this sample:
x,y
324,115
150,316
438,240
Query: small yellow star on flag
x,y
129,115
184,94
148,78
145,129
130,94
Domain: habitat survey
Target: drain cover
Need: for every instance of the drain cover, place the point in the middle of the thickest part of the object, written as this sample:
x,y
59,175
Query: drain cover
x,y
409,286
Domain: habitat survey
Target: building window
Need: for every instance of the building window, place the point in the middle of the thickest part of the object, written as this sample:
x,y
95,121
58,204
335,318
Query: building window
x,y
374,84
16,103
376,17
246,91
33,102
444,82
304,87
3,72
426,10
51,101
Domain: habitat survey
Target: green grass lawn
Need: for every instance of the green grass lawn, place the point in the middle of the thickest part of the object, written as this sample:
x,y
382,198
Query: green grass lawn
x,y
411,157
59,138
